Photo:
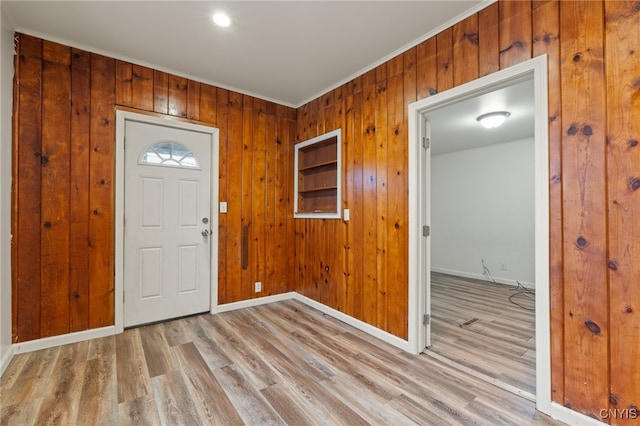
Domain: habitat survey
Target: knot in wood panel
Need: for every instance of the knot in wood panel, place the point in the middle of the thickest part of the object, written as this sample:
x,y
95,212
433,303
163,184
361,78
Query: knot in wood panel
x,y
581,242
634,183
613,264
593,327
572,130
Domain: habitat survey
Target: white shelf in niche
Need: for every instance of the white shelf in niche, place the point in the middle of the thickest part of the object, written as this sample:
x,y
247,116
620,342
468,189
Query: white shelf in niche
x,y
318,177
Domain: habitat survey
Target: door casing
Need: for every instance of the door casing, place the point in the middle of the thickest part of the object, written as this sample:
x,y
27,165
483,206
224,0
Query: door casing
x,y
122,116
419,209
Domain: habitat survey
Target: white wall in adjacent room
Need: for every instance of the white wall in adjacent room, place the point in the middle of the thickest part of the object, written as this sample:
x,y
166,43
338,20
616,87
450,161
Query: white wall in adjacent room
x,y
482,207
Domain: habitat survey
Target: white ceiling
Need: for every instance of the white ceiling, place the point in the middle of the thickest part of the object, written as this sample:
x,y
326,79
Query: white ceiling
x,y
286,51
454,127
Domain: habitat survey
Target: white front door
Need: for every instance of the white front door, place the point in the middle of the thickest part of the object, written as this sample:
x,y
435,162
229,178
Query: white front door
x,y
167,222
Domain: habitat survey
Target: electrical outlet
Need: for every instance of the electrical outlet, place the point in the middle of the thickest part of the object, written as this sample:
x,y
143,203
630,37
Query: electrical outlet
x,y
258,286
346,215
223,206
503,266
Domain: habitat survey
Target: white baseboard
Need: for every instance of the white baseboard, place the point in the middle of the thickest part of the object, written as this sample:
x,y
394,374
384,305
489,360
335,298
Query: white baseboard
x,y
254,302
50,342
356,323
499,280
6,359
571,417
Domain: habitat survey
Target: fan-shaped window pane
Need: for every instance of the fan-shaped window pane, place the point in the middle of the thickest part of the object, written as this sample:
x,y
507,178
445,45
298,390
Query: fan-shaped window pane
x,y
170,154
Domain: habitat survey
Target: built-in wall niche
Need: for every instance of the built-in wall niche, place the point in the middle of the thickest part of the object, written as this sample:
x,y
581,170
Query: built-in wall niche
x,y
317,180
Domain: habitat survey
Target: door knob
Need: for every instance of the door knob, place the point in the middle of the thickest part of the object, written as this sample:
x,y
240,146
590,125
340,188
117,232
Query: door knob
x,y
205,232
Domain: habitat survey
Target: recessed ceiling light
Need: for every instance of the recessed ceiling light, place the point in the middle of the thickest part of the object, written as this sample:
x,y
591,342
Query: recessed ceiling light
x,y
493,119
221,20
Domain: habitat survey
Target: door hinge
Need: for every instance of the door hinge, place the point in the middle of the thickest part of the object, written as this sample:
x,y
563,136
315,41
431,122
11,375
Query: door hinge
x,y
426,319
425,142
426,231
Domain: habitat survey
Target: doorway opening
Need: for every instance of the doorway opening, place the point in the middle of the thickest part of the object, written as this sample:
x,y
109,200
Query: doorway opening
x,y
420,212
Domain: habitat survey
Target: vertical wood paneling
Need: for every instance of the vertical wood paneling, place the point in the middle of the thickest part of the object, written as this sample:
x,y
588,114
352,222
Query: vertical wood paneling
x,y
79,190
124,83
444,59
583,168
160,92
271,205
208,107
142,88
280,187
246,284
101,192
488,40
381,197
546,40
369,217
355,297
622,62
178,96
193,100
465,50
515,32
258,190
427,68
396,225
340,268
219,114
56,86
234,205
26,288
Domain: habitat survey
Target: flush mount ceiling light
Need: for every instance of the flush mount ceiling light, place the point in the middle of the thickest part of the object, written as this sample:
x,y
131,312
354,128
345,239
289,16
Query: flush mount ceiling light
x,y
221,19
493,119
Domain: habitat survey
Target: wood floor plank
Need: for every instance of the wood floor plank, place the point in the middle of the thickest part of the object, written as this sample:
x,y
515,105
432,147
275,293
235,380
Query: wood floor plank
x,y
157,355
213,403
258,372
133,375
101,347
62,396
20,414
33,377
251,405
175,403
290,407
99,397
141,411
213,354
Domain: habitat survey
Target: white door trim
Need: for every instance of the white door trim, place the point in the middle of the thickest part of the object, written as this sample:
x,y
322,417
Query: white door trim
x,y
121,118
537,68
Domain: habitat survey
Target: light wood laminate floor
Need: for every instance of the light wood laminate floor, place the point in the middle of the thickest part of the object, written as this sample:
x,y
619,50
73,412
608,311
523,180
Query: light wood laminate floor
x,y
476,325
282,363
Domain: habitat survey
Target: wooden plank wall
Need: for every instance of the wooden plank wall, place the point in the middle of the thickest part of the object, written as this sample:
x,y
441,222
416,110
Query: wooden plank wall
x,y
593,49
64,169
